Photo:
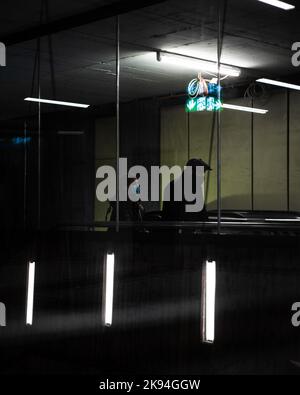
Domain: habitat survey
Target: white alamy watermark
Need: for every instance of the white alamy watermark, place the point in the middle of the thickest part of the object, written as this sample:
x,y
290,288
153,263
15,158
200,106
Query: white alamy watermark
x,y
2,55
181,186
296,315
2,314
296,55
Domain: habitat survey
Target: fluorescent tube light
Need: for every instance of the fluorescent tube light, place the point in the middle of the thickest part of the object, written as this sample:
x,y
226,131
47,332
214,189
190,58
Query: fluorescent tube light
x,y
208,300
109,269
30,292
282,220
279,83
279,4
197,65
57,103
246,109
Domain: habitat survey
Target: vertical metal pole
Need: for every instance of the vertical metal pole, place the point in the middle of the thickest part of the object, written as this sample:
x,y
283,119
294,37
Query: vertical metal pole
x,y
39,162
118,121
219,125
38,57
288,152
252,156
189,136
25,174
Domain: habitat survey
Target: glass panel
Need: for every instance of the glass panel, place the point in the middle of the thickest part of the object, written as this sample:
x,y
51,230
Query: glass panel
x,y
49,167
259,166
163,49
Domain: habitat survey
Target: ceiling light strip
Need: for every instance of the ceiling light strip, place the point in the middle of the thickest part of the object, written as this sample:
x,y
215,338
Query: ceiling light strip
x,y
56,102
246,109
30,293
279,4
109,269
278,83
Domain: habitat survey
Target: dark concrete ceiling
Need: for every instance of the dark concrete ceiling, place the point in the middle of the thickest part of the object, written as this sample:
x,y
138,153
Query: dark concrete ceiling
x,y
257,37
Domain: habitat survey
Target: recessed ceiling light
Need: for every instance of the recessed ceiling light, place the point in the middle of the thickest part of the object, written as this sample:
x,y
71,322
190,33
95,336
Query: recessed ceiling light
x,y
279,83
56,102
279,4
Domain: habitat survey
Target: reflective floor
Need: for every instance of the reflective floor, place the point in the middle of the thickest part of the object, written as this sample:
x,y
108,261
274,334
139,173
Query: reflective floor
x,y
157,309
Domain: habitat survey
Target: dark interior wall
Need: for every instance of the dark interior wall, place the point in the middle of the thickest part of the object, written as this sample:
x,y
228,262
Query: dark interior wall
x,y
105,155
73,145
11,181
139,141
140,136
68,155
66,171
140,130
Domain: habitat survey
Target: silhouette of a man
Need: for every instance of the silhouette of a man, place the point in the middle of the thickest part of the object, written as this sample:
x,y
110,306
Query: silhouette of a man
x,y
176,210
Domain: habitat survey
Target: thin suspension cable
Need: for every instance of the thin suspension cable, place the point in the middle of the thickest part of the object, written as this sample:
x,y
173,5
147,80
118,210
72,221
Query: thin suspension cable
x,y
36,81
118,120
221,26
51,53
212,138
39,138
39,117
219,129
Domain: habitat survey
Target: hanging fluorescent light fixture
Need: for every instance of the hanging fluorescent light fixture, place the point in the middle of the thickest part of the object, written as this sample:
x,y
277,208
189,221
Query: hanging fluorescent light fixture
x,y
279,4
56,102
246,109
278,83
282,219
208,302
108,288
197,64
30,293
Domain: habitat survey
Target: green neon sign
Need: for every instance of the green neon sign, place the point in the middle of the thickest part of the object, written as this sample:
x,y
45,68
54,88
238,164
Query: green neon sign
x,y
209,103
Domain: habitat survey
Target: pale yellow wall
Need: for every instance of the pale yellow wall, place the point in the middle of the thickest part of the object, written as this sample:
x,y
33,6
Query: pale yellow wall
x,y
236,157
173,136
202,136
269,154
295,151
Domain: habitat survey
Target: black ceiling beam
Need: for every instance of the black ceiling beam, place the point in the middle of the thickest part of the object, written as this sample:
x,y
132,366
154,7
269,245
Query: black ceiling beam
x,y
69,22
